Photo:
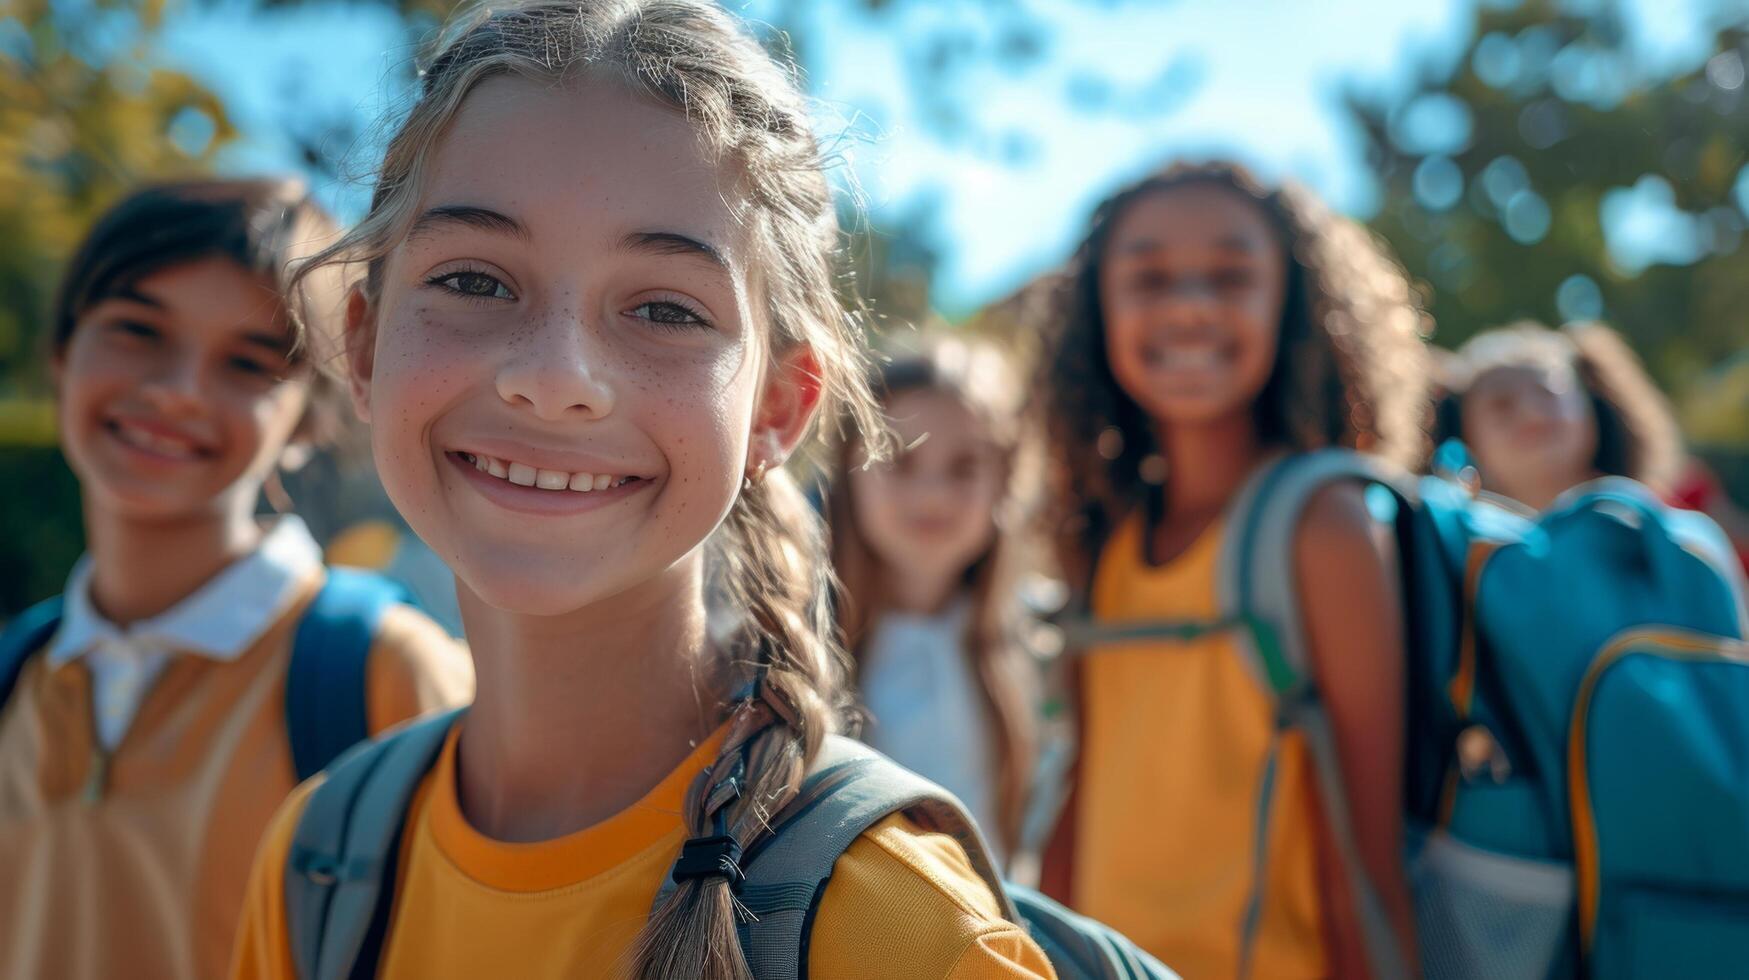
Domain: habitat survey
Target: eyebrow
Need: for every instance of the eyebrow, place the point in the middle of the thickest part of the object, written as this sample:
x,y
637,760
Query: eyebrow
x,y
278,345
470,216
673,243
1232,243
133,295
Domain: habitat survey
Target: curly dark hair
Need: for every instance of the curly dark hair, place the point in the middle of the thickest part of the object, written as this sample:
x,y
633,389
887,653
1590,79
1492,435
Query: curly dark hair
x,y
1350,368
1637,433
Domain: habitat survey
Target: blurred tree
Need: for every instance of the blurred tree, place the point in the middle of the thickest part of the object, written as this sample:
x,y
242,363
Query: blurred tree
x,y
84,115
1551,172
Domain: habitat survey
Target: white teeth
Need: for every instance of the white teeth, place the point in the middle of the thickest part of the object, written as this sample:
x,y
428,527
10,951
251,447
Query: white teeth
x,y
525,475
154,443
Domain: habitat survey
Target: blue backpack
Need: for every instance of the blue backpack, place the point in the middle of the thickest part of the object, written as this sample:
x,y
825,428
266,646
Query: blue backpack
x,y
340,874
1577,782
325,698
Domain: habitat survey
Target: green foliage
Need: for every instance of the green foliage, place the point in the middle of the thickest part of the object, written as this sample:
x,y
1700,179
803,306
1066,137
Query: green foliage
x,y
1496,175
84,115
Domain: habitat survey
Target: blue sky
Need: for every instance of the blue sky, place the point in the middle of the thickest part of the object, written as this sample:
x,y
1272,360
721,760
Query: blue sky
x,y
1257,79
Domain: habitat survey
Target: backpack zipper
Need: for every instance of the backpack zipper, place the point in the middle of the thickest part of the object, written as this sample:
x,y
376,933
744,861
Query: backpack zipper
x,y
1667,643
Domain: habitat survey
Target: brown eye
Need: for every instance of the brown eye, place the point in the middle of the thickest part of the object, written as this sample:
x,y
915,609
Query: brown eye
x,y
474,285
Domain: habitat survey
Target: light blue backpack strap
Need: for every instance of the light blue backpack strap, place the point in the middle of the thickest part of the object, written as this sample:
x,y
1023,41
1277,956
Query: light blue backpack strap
x,y
1257,583
1080,948
850,788
326,704
25,635
340,872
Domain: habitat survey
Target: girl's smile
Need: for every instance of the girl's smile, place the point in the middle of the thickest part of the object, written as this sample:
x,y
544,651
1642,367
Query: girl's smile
x,y
561,393
178,394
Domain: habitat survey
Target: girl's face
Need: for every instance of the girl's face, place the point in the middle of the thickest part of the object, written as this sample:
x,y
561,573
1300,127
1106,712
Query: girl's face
x,y
563,367
1191,289
177,397
1531,428
931,511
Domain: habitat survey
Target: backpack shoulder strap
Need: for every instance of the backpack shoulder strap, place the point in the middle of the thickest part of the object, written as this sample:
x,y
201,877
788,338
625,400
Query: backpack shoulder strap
x,y
1255,577
1257,582
25,635
850,788
325,699
340,872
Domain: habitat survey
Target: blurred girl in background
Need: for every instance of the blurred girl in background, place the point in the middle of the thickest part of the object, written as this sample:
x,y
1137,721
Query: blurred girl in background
x,y
1542,411
1212,327
930,551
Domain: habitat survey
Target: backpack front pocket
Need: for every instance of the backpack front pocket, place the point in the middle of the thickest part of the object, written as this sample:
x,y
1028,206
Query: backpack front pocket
x,y
1483,915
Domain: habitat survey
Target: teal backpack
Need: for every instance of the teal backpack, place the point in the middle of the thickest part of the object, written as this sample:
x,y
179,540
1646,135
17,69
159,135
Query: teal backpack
x,y
1577,773
325,698
1590,812
340,874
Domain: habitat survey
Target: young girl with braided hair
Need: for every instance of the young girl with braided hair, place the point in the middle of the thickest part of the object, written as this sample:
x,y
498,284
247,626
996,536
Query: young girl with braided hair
x,y
597,314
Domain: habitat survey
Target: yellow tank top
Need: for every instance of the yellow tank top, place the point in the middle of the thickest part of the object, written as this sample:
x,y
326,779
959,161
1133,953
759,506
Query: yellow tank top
x,y
1176,739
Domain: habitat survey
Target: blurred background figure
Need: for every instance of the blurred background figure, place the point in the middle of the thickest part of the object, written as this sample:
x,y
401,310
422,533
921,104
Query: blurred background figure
x,y
1213,327
1543,411
201,661
932,548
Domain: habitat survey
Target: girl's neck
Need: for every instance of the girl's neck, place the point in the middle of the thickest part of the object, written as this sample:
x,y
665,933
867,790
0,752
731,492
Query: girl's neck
x,y
1541,496
576,717
140,568
1207,462
919,591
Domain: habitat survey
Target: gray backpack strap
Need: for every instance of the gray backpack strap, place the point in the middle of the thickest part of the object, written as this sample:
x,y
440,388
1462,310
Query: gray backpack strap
x,y
339,878
1257,582
849,788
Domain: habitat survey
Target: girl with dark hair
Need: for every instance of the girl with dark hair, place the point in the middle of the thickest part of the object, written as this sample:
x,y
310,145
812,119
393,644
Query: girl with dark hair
x,y
150,731
1212,327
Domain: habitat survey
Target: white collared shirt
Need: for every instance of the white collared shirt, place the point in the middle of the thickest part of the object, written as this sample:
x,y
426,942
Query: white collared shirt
x,y
220,620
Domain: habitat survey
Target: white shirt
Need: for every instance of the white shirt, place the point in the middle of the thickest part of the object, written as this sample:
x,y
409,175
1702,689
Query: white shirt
x,y
219,620
928,710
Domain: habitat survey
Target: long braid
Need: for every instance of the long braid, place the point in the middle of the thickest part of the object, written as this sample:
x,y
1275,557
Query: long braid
x,y
769,565
767,576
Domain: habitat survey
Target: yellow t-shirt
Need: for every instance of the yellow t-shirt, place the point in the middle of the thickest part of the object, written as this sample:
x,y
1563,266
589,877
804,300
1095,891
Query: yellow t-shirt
x,y
1175,736
901,903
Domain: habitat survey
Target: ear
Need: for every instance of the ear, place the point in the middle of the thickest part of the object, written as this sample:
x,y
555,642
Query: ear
x,y
786,405
361,348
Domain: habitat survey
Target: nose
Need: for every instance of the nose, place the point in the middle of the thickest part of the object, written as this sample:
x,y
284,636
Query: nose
x,y
173,385
1189,301
558,369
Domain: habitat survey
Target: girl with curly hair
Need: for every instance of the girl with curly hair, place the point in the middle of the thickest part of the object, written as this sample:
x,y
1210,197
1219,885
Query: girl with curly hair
x,y
1545,410
1212,327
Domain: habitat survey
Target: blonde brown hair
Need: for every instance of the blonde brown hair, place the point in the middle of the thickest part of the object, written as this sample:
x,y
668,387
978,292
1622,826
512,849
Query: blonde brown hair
x,y
1637,433
692,58
978,379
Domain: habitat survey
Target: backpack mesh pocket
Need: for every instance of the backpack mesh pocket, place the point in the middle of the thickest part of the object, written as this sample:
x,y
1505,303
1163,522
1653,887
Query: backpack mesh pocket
x,y
1482,915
